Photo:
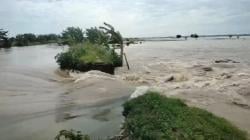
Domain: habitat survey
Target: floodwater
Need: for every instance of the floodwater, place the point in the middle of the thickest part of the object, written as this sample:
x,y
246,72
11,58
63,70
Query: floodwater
x,y
188,70
36,102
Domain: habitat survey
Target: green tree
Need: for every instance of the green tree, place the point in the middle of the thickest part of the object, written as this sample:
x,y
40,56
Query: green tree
x,y
97,36
4,42
3,34
25,39
178,36
72,35
48,38
115,37
194,36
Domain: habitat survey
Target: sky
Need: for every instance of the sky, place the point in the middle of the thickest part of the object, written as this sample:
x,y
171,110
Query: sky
x,y
133,18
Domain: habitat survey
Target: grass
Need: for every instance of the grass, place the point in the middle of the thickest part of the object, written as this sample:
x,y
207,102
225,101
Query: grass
x,y
96,54
156,117
86,54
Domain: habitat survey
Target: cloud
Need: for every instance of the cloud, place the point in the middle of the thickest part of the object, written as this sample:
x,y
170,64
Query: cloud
x,y
132,18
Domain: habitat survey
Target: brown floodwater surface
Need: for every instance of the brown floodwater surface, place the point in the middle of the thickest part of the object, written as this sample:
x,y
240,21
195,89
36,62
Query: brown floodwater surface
x,y
36,103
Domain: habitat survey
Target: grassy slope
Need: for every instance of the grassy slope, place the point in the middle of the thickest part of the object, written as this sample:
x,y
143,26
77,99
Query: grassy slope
x,y
155,117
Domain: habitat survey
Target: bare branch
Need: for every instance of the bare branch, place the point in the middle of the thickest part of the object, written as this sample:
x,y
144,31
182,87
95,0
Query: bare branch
x,y
110,26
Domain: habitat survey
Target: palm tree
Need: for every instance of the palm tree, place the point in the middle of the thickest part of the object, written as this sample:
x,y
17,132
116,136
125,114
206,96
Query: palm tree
x,y
115,37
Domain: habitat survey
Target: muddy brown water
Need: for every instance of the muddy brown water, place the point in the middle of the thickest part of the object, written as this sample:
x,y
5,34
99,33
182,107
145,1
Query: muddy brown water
x,y
36,102
221,88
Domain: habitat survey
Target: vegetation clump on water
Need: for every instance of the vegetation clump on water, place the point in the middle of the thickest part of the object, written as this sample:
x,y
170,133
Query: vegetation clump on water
x,y
155,117
96,51
84,55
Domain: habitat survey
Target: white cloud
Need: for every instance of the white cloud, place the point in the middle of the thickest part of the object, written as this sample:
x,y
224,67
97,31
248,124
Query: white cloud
x,y
132,18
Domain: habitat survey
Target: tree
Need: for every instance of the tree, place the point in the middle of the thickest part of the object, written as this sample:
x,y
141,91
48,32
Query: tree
x,y
3,34
194,36
97,36
47,38
72,35
115,37
4,42
25,39
178,36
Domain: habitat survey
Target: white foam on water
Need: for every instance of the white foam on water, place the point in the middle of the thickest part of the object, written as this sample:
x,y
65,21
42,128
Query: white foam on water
x,y
139,92
91,74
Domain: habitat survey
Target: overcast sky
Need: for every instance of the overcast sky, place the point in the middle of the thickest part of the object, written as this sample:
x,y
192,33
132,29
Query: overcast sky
x,y
131,17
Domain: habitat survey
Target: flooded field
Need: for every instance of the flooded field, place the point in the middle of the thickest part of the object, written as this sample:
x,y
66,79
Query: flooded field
x,y
37,100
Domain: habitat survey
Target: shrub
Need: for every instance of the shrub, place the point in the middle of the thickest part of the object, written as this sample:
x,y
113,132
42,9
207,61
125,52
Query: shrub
x,y
72,35
178,36
156,117
97,36
71,135
86,54
194,36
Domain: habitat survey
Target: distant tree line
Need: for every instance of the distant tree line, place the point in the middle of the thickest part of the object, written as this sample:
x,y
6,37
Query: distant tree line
x,y
27,39
69,36
192,36
32,39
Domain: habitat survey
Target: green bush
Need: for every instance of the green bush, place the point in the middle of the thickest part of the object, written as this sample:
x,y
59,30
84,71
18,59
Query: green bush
x,y
71,135
86,54
72,36
156,117
97,36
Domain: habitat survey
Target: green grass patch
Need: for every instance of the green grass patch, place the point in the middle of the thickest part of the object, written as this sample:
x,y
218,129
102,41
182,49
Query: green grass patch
x,y
156,117
85,54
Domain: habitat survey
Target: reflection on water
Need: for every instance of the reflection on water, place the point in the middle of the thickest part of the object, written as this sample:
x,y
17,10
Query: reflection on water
x,y
35,104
